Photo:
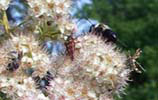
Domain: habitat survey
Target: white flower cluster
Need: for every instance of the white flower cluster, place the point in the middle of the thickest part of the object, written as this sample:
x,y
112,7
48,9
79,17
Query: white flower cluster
x,y
71,89
103,62
22,60
57,9
4,4
97,71
49,7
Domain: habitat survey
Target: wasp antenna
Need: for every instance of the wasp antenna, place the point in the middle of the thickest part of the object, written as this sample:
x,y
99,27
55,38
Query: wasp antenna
x,y
122,44
89,21
140,66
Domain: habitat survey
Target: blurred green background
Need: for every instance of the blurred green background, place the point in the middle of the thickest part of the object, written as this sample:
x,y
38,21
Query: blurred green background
x,y
136,24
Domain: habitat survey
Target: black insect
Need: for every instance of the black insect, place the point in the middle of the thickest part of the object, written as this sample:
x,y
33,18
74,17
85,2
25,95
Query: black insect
x,y
44,82
104,31
70,46
15,61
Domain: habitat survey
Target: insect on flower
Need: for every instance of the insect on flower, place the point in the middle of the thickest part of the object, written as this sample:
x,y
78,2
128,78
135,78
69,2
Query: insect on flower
x,y
70,46
104,31
15,60
132,61
44,82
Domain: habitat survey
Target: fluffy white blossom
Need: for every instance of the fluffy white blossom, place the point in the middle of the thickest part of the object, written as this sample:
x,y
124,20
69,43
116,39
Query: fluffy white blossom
x,y
49,7
58,10
103,62
22,61
4,4
98,67
66,26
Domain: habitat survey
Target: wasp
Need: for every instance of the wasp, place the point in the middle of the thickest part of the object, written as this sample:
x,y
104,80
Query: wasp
x,y
132,61
70,46
104,31
15,61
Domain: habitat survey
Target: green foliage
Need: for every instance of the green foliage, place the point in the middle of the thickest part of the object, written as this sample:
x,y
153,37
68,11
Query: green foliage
x,y
135,22
48,31
3,96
